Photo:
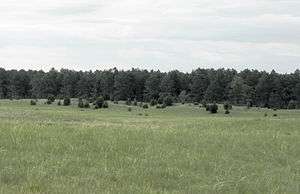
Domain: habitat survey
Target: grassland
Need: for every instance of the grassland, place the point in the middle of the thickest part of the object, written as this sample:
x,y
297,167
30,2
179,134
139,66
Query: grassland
x,y
181,149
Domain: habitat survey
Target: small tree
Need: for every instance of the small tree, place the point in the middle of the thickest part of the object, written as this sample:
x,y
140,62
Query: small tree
x,y
99,102
48,101
80,103
128,102
51,98
292,105
183,96
160,100
213,108
153,102
141,104
86,104
135,102
129,109
204,103
105,104
32,102
168,100
249,104
67,101
227,106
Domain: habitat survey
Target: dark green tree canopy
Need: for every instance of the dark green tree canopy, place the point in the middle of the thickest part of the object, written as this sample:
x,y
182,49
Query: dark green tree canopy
x,y
209,85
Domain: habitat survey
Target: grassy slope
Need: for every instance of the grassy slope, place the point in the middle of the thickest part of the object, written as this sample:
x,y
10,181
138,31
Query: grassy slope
x,y
51,149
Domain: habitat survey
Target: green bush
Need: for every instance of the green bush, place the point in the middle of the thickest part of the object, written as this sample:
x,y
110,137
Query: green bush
x,y
249,104
153,102
162,106
128,102
80,103
227,112
141,104
227,106
160,100
292,105
207,107
32,102
67,101
213,108
48,101
204,103
99,102
168,100
129,109
145,106
105,104
87,104
51,98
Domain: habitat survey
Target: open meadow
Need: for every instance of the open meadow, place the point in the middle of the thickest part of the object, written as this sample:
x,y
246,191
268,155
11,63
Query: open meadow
x,y
180,149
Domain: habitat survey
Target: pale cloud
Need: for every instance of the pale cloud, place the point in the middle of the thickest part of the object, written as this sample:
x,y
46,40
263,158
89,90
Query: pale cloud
x,y
153,34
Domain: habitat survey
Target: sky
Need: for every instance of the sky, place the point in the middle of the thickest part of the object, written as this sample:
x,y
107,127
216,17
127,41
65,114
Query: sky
x,y
150,34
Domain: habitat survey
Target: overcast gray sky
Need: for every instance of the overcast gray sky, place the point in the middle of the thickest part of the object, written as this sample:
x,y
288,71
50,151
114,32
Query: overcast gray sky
x,y
152,34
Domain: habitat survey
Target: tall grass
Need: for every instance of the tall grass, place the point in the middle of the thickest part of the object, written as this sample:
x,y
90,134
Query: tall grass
x,y
181,149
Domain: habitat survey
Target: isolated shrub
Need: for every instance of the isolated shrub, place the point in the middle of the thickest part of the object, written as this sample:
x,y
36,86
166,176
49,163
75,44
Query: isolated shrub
x,y
129,109
266,114
48,101
116,102
160,100
227,112
67,101
80,103
105,104
141,104
59,103
292,105
204,103
213,108
168,100
86,104
183,97
196,103
99,102
275,115
207,107
135,102
227,106
51,98
153,102
128,102
249,104
145,106
32,102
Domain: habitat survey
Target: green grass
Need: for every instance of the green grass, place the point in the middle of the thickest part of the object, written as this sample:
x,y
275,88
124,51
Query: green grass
x,y
181,149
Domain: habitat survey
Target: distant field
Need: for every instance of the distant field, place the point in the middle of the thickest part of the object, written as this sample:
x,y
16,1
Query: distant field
x,y
181,149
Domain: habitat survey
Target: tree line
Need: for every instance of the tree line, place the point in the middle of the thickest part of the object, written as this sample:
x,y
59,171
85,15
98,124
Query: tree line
x,y
248,87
